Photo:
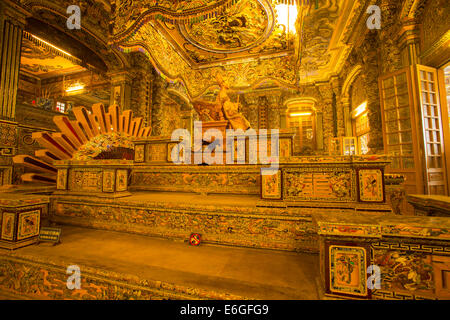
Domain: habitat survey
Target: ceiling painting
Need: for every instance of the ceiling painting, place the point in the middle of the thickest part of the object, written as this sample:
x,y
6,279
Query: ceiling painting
x,y
239,28
248,42
129,15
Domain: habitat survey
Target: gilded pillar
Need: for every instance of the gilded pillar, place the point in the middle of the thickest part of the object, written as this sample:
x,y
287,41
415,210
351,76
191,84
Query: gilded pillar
x,y
346,110
274,118
12,21
326,104
283,117
390,53
319,131
273,112
157,105
338,112
409,42
141,87
250,110
370,73
121,89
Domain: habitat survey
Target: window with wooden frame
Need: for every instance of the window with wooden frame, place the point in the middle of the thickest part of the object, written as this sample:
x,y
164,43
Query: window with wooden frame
x,y
61,107
400,133
432,130
413,130
361,128
302,118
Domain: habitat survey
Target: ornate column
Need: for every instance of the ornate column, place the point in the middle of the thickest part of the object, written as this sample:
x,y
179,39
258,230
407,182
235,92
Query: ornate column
x,y
273,112
409,42
282,109
326,101
249,104
121,89
345,107
157,100
274,118
12,22
371,73
141,87
338,112
390,53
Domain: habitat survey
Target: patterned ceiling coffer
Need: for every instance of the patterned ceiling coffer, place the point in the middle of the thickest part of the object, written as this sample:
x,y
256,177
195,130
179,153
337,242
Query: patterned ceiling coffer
x,y
130,15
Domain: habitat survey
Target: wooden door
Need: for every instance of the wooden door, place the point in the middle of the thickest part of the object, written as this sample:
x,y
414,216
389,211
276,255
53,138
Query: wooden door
x,y
401,133
432,126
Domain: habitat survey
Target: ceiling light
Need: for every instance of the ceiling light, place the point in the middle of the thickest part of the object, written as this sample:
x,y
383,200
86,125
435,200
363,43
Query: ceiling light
x,y
50,45
300,114
287,16
75,87
360,109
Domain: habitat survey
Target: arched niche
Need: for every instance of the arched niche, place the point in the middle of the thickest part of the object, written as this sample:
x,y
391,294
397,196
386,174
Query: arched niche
x,y
345,98
47,13
303,118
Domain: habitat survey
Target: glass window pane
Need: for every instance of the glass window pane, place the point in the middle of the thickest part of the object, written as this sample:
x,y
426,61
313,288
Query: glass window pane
x,y
404,113
431,87
423,75
403,100
405,124
406,136
391,115
407,149
401,79
388,83
432,98
436,124
393,138
394,150
392,126
390,103
408,163
389,92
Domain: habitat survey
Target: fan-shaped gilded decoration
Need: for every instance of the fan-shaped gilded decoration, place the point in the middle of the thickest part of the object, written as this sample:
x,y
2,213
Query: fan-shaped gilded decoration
x,y
93,135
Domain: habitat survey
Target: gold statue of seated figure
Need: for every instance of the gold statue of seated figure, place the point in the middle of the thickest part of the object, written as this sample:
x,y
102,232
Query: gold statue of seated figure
x,y
222,109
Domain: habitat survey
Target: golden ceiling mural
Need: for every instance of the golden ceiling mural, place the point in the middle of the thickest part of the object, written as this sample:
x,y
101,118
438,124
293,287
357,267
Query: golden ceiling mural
x,y
129,14
248,41
242,26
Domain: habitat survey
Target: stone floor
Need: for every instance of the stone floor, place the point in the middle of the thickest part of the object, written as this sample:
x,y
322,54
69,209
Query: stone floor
x,y
250,273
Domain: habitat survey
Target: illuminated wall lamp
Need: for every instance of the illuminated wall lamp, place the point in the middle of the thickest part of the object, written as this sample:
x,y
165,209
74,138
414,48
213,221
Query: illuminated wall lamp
x,y
287,15
300,114
74,88
360,109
